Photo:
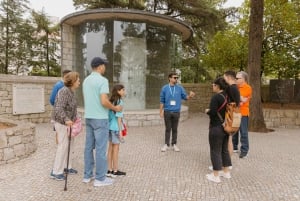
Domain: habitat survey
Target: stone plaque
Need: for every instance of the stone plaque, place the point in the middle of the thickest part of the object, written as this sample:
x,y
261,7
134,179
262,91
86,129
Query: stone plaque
x,y
28,98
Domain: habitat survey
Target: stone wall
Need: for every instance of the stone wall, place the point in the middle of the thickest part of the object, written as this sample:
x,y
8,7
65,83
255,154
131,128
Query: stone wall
x,y
150,117
204,93
201,101
16,142
6,97
279,118
273,118
68,44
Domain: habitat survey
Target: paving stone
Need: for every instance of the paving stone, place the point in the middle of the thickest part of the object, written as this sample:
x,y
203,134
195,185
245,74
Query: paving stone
x,y
270,172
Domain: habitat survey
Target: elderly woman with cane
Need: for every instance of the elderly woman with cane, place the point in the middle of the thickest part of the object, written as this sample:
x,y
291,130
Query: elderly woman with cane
x,y
64,115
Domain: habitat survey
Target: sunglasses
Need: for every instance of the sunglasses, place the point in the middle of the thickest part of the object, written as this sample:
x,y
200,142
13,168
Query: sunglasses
x,y
175,78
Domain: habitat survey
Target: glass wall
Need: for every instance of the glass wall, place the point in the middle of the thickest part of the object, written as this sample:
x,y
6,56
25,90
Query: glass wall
x,y
130,62
140,55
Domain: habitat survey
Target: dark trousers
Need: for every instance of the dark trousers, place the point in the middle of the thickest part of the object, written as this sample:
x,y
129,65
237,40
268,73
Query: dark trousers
x,y
171,124
218,142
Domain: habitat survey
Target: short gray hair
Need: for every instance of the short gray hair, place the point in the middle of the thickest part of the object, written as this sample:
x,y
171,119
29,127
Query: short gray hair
x,y
244,75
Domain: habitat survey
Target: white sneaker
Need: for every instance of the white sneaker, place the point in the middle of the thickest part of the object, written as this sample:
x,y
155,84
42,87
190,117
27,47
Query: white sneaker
x,y
235,151
213,178
176,148
211,167
225,175
164,148
87,180
105,182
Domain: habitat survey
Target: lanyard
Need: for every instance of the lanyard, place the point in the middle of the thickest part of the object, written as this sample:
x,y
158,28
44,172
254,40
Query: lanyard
x,y
172,94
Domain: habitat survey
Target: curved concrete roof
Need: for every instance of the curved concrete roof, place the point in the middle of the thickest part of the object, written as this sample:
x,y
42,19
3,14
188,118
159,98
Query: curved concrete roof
x,y
128,14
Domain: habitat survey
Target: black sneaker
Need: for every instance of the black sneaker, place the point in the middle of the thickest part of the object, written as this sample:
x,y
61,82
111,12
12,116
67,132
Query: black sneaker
x,y
109,173
119,173
243,155
71,171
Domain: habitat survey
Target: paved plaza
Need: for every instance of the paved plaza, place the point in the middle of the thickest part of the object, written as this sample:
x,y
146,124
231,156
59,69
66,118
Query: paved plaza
x,y
269,173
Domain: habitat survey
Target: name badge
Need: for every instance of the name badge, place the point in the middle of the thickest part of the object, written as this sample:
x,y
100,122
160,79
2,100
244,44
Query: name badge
x,y
172,102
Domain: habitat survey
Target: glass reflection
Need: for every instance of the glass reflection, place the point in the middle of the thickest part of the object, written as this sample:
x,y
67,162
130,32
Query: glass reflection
x,y
130,62
140,56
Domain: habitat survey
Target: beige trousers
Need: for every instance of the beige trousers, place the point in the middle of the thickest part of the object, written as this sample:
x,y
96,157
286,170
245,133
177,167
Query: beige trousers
x,y
60,161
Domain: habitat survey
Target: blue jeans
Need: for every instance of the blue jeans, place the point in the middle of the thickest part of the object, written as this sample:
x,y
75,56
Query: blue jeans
x,y
244,136
96,137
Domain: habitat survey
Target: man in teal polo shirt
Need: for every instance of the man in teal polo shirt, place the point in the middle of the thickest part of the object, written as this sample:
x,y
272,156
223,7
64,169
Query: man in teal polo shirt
x,y
96,105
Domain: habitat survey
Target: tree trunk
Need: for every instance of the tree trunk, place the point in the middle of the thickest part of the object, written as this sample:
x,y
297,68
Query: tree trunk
x,y
47,53
256,119
6,42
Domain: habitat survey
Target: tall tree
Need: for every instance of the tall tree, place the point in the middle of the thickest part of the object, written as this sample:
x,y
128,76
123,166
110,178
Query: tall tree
x,y
227,50
11,25
24,51
281,41
280,50
46,47
256,120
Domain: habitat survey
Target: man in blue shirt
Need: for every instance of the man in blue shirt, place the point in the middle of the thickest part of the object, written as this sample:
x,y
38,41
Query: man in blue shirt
x,y
58,85
170,104
96,105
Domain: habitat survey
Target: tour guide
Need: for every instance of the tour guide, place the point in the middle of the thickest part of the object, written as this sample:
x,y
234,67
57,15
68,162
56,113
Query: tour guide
x,y
170,104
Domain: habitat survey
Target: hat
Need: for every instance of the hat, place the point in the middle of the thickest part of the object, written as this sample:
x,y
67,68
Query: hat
x,y
97,61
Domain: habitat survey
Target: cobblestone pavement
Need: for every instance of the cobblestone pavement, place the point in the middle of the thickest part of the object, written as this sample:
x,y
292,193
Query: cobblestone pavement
x,y
271,171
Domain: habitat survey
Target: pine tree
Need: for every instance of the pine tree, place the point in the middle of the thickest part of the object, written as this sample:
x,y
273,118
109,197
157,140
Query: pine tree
x,y
45,58
11,26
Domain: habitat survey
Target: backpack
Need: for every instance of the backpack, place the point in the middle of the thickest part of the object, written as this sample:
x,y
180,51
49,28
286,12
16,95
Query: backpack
x,y
233,117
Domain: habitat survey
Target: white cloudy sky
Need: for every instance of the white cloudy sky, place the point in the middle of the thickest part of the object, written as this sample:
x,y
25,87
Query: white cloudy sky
x,y
61,8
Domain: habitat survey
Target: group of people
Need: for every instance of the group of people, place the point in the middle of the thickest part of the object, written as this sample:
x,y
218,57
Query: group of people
x,y
232,87
104,120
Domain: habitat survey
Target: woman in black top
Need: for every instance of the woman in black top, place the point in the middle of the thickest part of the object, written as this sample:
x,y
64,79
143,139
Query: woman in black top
x,y
218,139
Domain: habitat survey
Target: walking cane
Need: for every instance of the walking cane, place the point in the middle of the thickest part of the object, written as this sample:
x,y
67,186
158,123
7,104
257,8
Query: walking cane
x,y
67,170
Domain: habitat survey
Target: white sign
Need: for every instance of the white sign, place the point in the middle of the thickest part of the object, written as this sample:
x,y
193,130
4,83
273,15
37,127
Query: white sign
x,y
28,98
